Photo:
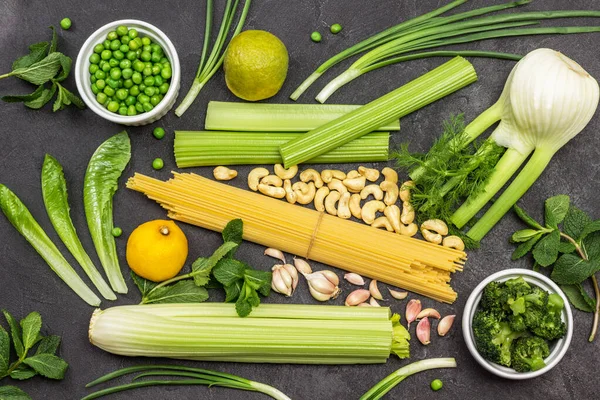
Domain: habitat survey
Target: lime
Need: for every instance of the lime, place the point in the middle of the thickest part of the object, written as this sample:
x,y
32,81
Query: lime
x,y
256,65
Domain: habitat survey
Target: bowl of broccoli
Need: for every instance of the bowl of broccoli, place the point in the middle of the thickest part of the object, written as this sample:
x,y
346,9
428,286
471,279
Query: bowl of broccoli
x,y
517,324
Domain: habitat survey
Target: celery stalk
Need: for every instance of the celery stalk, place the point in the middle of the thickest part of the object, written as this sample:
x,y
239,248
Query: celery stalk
x,y
262,117
440,82
206,148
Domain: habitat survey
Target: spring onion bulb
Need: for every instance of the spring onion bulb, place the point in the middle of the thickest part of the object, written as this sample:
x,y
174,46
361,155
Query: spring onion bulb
x,y
434,85
273,333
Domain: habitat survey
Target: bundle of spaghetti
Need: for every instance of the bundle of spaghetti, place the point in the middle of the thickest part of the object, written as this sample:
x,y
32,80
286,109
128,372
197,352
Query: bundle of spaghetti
x,y
395,259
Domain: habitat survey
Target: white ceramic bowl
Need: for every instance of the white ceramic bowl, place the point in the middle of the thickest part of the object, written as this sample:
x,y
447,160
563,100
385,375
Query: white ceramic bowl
x,y
557,349
84,84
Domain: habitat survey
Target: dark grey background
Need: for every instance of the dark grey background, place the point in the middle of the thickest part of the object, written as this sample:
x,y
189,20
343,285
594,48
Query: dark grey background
x,y
27,284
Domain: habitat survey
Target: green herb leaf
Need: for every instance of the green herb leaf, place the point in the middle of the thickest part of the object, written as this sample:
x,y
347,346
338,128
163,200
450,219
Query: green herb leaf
x,y
41,71
22,372
15,332
13,393
591,244
575,222
37,52
4,351
525,247
43,99
523,235
232,292
54,41
48,365
24,97
202,267
65,64
48,345
184,291
248,299
590,228
526,218
579,297
571,269
228,270
566,247
144,285
546,251
31,326
556,209
66,98
259,280
233,232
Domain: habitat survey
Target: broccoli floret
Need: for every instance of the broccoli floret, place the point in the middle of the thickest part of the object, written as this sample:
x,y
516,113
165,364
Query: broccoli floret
x,y
492,298
517,323
551,325
528,354
538,298
494,337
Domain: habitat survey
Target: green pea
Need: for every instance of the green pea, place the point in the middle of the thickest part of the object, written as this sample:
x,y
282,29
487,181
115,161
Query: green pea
x,y
146,56
136,78
146,41
133,45
134,90
124,49
149,81
160,97
93,79
139,107
113,106
115,44
128,83
130,100
106,54
115,73
127,73
164,60
142,98
158,80
122,94
93,68
133,33
147,48
131,111
166,64
116,231
148,107
154,100
315,37
158,133
436,384
120,83
122,30
113,62
155,57
131,55
123,110
101,98
335,28
164,88
125,64
100,74
112,35
150,91
113,83
138,65
147,71
106,44
95,58
142,87
98,48
156,70
101,83
118,54
165,73
139,41
109,91
138,52
65,23
95,89
105,67
125,42
158,163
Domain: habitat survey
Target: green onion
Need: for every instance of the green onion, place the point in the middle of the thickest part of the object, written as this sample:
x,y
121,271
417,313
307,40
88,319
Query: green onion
x,y
299,334
210,63
262,117
206,148
440,82
201,377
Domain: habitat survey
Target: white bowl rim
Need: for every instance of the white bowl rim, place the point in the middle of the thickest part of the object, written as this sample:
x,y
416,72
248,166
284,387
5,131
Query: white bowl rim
x,y
504,372
92,40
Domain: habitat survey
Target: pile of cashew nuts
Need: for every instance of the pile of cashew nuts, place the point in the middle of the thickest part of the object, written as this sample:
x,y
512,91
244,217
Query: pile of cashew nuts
x,y
353,194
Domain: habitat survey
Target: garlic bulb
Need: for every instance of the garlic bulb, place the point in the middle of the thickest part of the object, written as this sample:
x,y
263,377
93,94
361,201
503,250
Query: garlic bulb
x,y
285,279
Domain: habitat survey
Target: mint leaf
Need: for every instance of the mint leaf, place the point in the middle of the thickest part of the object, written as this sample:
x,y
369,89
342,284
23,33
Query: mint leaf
x,y
31,326
233,233
523,235
545,252
591,244
232,292
579,298
66,98
53,42
41,71
259,280
15,332
575,222
48,365
571,269
556,209
65,64
590,228
22,372
144,285
37,52
4,351
24,97
48,345
526,218
243,307
566,247
202,267
228,270
525,247
42,100
184,291
13,393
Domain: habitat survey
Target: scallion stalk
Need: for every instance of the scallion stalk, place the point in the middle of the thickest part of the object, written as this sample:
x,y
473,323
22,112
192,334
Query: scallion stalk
x,y
208,148
434,85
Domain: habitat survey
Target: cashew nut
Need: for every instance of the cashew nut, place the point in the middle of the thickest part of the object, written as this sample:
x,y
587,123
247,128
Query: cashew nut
x,y
433,230
393,215
272,180
224,173
336,184
330,201
255,176
343,210
409,230
354,205
390,174
286,173
329,174
305,192
352,174
453,242
355,185
405,190
311,175
290,195
408,213
370,173
370,208
320,198
391,192
373,190
382,222
272,191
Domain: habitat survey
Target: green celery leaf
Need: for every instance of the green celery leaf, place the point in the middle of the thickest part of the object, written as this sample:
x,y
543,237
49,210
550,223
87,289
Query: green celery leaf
x,y
525,247
65,64
579,297
24,97
526,218
575,222
571,269
590,228
566,247
15,332
556,209
44,98
31,326
4,351
228,270
259,280
523,235
48,345
13,393
232,291
545,251
144,285
184,291
22,372
37,52
54,41
48,365
202,267
41,71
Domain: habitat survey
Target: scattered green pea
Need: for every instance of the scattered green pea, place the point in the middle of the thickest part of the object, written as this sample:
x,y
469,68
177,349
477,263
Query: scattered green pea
x,y
158,163
335,28
158,132
116,231
436,384
315,37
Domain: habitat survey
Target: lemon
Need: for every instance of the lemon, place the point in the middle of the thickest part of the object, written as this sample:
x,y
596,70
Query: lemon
x,y
256,65
157,250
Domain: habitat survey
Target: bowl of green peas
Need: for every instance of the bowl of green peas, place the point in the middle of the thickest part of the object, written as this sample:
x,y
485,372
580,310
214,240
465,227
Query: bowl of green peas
x,y
128,72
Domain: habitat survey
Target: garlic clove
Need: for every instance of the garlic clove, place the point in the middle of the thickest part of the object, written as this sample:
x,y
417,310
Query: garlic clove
x,y
374,302
331,276
271,252
429,312
320,283
354,279
278,284
293,274
318,295
358,296
302,266
424,331
285,276
374,290
413,308
398,295
364,305
445,324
